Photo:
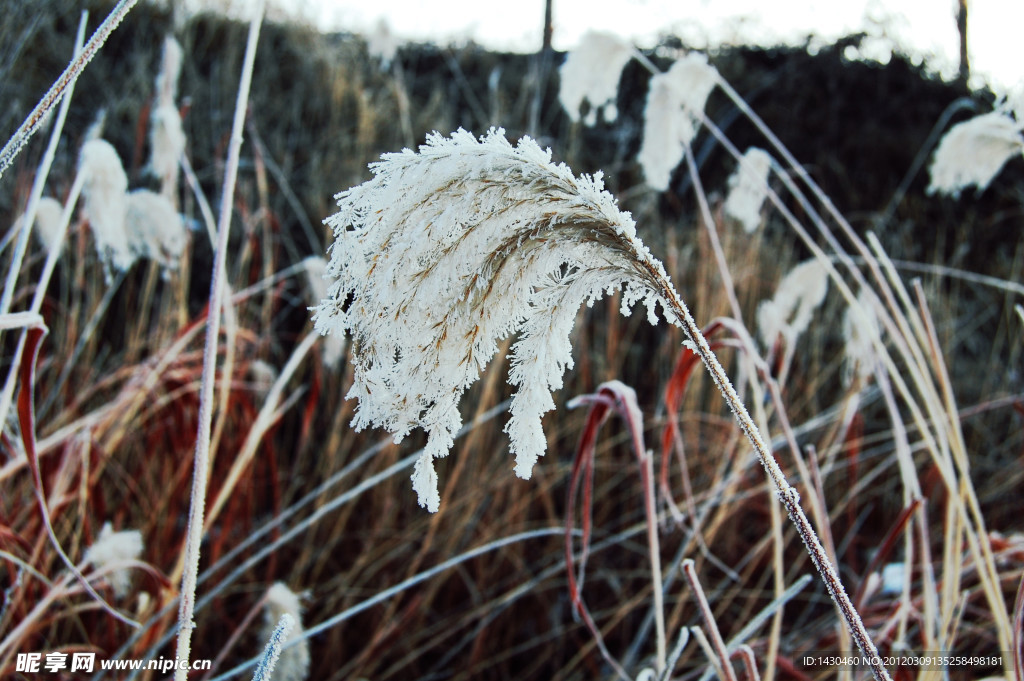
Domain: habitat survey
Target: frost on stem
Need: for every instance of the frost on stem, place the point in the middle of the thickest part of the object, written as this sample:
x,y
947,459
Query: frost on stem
x,y
973,152
591,72
674,103
292,664
446,252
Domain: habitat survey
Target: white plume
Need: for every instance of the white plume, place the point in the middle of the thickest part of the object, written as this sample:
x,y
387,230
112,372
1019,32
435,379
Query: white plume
x,y
973,152
674,103
748,188
106,203
789,312
446,252
591,73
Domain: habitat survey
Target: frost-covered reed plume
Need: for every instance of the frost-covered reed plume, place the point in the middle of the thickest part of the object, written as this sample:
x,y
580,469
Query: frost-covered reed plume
x,y
47,223
317,285
446,251
861,331
110,551
789,311
748,188
973,152
154,228
105,191
292,664
167,136
675,103
127,226
383,44
591,73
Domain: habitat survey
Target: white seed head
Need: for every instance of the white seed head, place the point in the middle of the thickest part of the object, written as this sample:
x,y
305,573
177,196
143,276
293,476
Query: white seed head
x,y
167,138
170,70
446,252
106,202
973,152
382,43
47,225
166,134
591,73
293,664
674,103
155,229
789,312
262,376
748,188
112,548
860,332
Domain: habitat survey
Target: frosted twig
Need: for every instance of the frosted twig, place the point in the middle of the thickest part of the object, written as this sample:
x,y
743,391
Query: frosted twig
x,y
62,85
21,245
265,669
206,402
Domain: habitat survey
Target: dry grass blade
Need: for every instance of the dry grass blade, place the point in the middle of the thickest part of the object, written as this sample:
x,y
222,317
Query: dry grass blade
x,y
614,396
27,421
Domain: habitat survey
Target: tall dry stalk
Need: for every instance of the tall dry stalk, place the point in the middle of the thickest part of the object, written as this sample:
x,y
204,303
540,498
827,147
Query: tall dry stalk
x,y
201,470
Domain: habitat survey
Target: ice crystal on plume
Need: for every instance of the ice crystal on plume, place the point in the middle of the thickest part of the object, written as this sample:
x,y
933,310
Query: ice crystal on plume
x,y
449,250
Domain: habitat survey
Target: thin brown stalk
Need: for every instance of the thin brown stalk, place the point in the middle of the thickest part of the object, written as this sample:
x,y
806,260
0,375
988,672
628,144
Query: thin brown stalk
x,y
717,642
787,494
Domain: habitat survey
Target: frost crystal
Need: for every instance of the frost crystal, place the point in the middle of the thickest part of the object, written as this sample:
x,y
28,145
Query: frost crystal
x,y
591,72
789,313
446,252
973,152
748,188
674,103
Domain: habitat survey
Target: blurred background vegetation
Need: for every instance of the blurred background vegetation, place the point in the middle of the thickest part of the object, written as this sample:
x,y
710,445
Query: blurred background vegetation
x,y
321,109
